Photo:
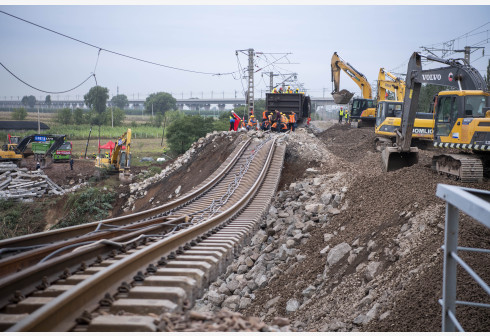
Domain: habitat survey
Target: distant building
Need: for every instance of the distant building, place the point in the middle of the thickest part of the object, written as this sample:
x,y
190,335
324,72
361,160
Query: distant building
x,y
21,125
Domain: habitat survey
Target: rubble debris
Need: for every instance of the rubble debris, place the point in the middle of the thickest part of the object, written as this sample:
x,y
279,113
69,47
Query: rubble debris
x,y
23,185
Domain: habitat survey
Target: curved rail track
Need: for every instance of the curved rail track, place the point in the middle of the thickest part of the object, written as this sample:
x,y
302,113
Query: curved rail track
x,y
121,274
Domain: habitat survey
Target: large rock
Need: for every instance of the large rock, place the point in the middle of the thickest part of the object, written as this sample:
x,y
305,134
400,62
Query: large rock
x,y
314,208
272,301
215,298
292,305
326,197
244,302
232,285
372,269
261,280
259,238
309,291
371,314
337,253
231,302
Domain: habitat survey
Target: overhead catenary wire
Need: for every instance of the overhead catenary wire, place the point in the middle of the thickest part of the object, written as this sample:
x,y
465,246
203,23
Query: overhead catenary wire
x,y
118,53
41,90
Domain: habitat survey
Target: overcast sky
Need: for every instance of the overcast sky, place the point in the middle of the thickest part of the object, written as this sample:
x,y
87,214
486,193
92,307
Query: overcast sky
x,y
204,39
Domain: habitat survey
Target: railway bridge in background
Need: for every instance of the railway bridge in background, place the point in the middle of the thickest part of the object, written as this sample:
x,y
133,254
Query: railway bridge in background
x,y
206,104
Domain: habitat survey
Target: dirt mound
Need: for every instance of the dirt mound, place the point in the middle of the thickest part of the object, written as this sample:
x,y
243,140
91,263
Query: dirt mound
x,y
185,173
391,220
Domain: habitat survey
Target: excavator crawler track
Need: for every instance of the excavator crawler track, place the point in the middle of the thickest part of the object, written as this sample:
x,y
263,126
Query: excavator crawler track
x,y
464,167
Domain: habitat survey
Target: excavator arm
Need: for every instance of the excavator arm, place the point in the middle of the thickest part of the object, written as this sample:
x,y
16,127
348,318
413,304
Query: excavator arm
x,y
395,85
337,63
124,140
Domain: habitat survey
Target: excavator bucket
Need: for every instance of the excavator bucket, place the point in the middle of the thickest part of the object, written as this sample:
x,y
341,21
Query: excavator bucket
x,y
342,97
393,159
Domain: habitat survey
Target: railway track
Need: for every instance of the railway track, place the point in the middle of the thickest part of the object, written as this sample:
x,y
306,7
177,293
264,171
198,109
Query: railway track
x,y
162,262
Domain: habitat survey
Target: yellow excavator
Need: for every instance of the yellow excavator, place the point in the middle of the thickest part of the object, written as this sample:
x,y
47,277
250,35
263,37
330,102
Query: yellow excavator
x,y
120,159
341,97
388,113
461,120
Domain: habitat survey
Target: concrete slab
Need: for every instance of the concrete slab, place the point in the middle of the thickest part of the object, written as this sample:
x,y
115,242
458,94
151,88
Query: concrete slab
x,y
143,306
115,323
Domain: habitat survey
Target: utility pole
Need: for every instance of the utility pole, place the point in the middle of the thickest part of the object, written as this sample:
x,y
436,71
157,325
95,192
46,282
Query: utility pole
x,y
250,92
271,80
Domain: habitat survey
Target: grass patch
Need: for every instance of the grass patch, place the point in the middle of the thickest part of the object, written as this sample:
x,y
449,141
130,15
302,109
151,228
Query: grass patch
x,y
17,219
85,206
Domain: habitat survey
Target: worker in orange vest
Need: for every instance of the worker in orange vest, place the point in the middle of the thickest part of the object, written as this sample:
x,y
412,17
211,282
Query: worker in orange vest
x,y
284,122
252,123
266,125
264,115
292,121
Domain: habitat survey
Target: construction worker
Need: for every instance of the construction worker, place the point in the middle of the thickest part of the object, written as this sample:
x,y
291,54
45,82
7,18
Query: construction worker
x,y
274,91
308,122
264,115
289,90
284,123
252,123
281,90
71,163
347,117
106,155
38,166
232,121
296,91
265,126
341,114
292,121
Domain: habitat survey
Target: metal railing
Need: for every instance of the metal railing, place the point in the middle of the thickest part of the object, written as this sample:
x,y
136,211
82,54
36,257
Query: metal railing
x,y
475,203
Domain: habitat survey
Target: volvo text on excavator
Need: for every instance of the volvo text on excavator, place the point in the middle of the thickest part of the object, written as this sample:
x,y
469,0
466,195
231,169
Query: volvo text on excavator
x,y
343,97
462,120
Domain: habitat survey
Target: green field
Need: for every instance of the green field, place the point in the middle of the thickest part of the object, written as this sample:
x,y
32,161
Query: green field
x,y
139,147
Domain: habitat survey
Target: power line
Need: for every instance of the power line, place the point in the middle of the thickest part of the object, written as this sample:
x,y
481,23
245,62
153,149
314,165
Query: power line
x,y
117,53
53,92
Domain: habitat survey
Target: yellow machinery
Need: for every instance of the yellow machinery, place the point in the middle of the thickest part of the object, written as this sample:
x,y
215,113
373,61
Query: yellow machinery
x,y
119,161
9,152
343,97
461,120
388,114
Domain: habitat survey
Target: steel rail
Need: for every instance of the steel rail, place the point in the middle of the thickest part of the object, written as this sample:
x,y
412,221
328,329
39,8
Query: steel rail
x,y
60,313
66,233
26,280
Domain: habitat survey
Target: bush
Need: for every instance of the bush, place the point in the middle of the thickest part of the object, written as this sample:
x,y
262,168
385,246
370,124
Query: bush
x,y
19,114
17,219
64,116
85,206
182,132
